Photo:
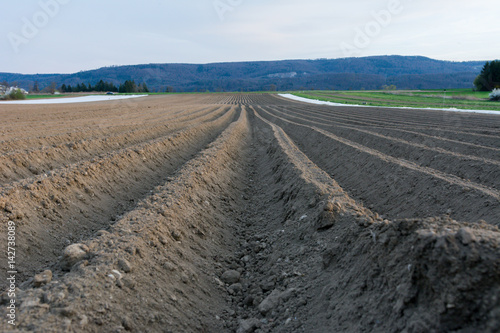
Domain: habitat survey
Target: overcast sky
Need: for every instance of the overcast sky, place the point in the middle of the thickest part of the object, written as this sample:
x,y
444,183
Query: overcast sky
x,y
66,36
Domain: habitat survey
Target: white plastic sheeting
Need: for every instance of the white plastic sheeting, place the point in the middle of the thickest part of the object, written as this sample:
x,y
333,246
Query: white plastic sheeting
x,y
315,101
69,100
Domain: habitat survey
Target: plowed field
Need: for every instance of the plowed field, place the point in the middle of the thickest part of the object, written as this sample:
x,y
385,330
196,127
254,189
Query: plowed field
x,y
249,213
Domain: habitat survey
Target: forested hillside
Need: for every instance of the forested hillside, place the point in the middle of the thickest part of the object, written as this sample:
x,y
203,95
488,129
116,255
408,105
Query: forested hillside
x,y
349,73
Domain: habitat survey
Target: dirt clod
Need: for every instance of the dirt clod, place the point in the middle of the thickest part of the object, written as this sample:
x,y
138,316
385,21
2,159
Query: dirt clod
x,y
42,278
466,235
73,254
248,325
124,265
176,235
270,302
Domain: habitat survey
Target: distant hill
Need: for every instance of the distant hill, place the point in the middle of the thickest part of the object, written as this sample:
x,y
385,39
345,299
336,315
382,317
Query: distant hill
x,y
404,72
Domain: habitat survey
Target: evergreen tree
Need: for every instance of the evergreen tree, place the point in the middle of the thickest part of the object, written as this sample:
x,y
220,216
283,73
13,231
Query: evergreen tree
x,y
100,86
132,87
35,88
489,78
128,87
64,88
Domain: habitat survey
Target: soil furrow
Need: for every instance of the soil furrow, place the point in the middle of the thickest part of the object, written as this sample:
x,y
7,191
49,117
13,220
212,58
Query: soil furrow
x,y
393,187
402,117
89,196
101,132
251,219
54,119
456,132
145,254
315,261
439,135
330,121
19,165
448,144
477,169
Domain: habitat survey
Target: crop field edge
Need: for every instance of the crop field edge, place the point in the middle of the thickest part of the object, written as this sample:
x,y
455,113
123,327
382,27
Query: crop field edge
x,y
360,98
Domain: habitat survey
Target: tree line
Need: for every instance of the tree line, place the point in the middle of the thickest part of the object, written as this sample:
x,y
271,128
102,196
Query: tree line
x,y
489,78
129,86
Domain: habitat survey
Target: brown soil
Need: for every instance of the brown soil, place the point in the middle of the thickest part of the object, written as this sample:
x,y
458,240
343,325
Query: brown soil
x,y
250,213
